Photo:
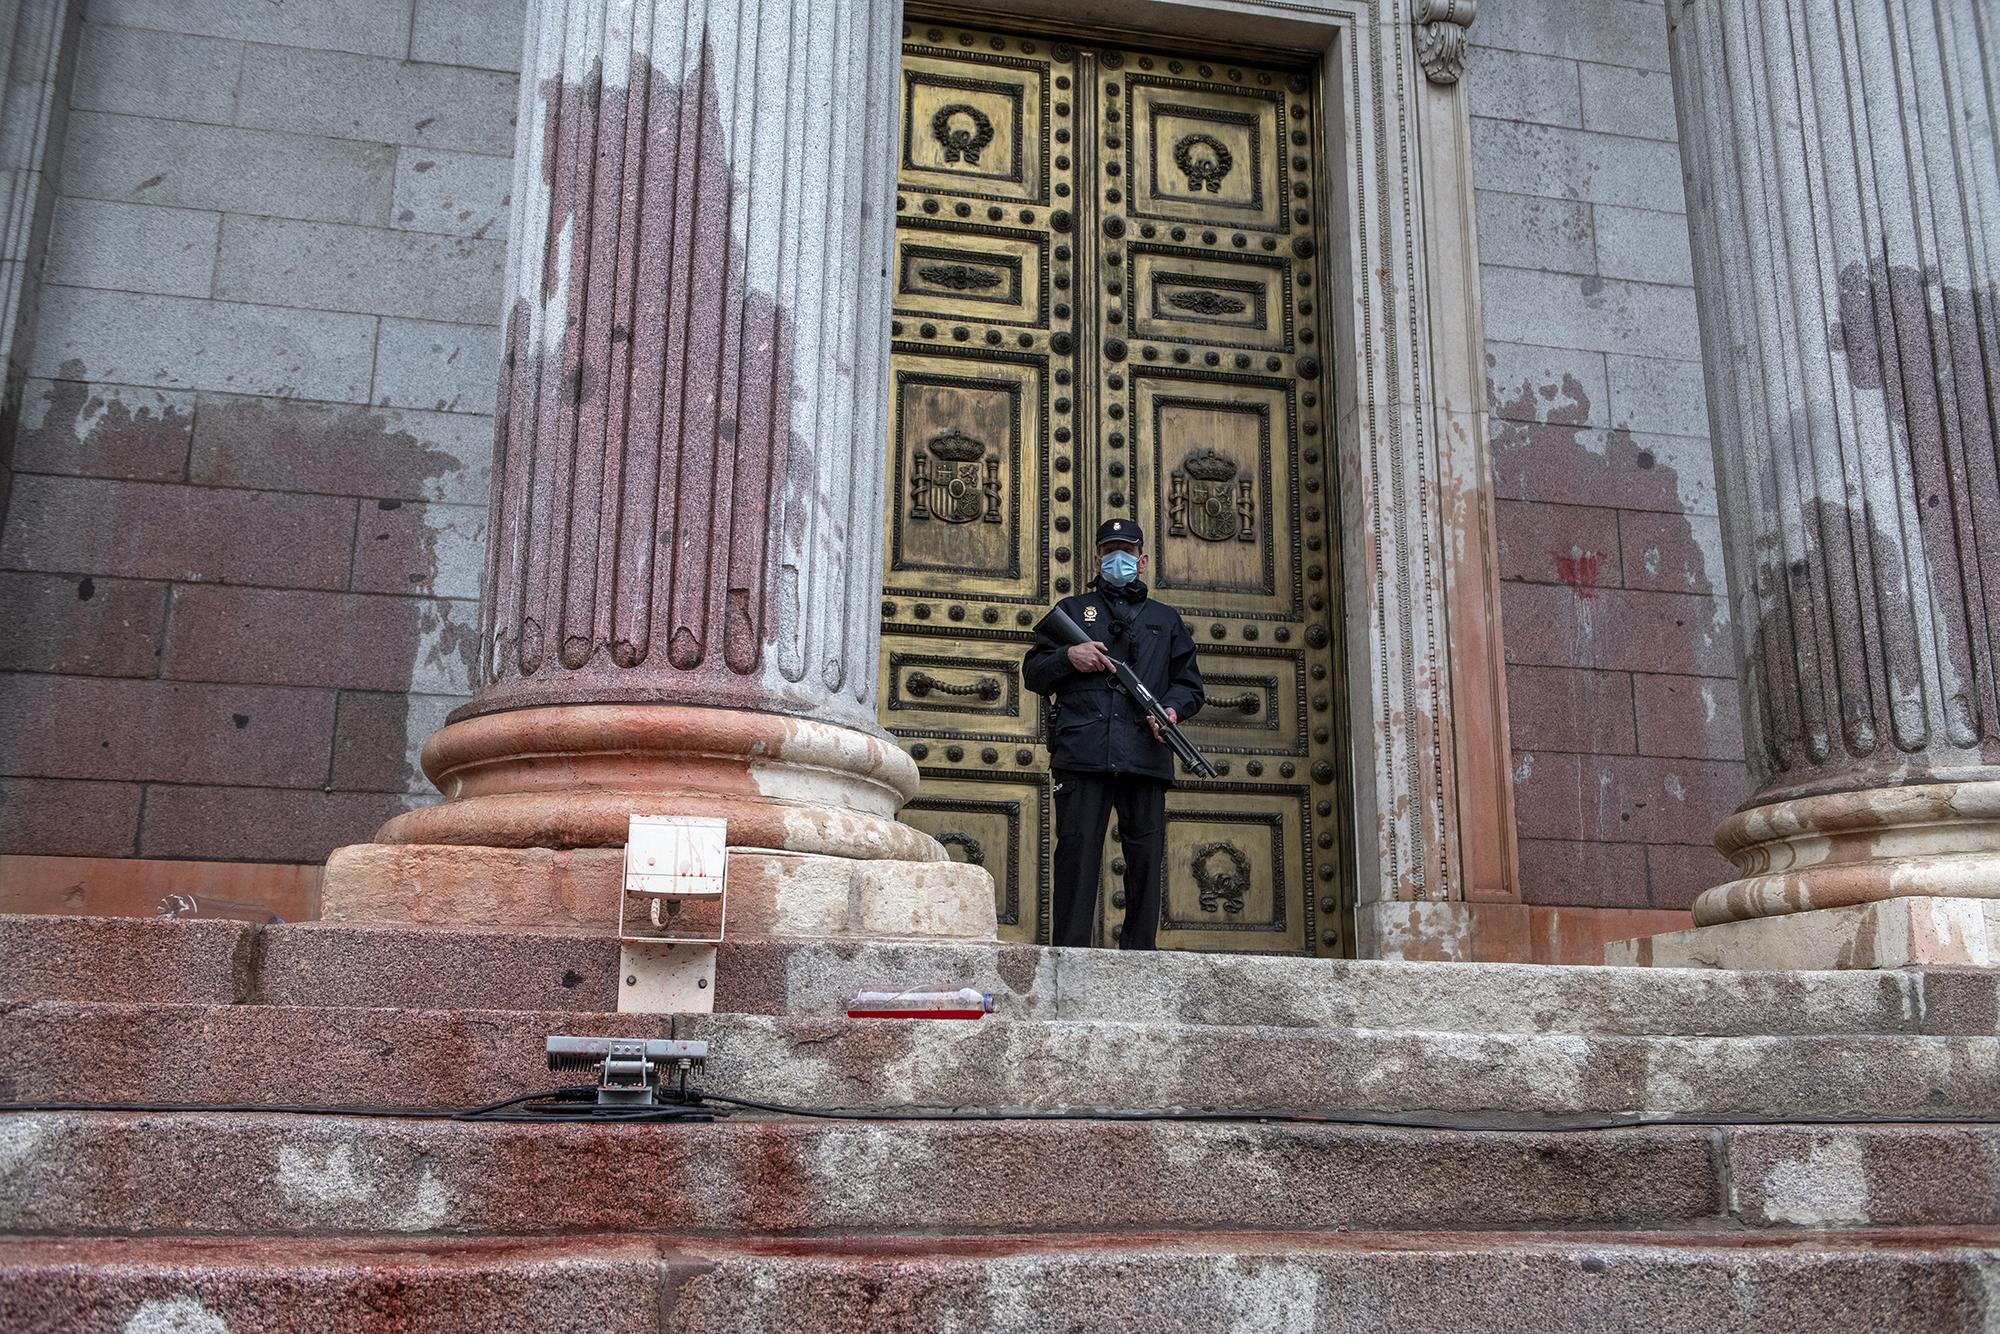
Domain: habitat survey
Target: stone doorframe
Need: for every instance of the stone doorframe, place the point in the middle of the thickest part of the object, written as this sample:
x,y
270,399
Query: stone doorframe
x,y
1427,705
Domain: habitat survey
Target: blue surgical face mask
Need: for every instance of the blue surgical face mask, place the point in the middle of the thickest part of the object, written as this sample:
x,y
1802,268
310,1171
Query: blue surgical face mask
x,y
1118,568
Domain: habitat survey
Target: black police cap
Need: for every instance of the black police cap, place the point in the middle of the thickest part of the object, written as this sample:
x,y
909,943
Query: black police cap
x,y
1120,530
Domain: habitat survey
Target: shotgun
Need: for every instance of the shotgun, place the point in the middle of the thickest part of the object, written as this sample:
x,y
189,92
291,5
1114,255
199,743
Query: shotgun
x,y
1069,632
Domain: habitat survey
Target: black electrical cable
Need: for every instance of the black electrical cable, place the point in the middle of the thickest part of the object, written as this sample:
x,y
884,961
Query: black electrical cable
x,y
288,1109
567,1093
695,1108
577,1094
1387,1120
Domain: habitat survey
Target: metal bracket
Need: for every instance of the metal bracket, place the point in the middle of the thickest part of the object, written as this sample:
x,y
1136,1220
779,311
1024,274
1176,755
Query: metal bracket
x,y
666,979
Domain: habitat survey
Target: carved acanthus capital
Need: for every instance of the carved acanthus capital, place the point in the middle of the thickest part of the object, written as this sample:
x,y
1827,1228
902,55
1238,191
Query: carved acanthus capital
x,y
1441,26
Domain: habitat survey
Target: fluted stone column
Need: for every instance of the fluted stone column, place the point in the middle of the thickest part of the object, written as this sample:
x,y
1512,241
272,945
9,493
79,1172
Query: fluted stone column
x,y
683,576
38,46
1844,199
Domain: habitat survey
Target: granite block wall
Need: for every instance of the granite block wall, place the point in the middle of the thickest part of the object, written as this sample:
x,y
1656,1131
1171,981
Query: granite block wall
x,y
241,561
1621,689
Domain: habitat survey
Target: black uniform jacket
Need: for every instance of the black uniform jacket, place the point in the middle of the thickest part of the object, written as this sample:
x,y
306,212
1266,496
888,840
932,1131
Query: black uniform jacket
x,y
1092,725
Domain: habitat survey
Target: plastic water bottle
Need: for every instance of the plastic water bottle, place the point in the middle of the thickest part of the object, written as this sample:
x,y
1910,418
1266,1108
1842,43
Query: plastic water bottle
x,y
929,1003
203,908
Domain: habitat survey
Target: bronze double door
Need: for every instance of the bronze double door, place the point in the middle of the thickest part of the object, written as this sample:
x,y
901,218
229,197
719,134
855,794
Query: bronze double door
x,y
1108,287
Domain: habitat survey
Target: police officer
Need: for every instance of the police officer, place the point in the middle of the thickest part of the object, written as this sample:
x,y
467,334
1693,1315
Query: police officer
x,y
1105,751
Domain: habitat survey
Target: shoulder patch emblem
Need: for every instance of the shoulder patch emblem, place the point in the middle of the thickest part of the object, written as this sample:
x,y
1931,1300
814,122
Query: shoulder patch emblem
x,y
1090,612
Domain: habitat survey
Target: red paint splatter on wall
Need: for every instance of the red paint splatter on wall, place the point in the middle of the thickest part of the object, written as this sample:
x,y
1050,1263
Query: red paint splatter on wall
x,y
1579,570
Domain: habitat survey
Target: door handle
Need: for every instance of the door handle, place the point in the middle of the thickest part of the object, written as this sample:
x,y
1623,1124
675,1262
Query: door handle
x,y
923,683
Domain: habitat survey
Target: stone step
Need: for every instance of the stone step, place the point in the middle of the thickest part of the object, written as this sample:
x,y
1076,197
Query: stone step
x,y
266,1054
1905,1280
82,1173
139,960
1075,1064
278,1054
335,1286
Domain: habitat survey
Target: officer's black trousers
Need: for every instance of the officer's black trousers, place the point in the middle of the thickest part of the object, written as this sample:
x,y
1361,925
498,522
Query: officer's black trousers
x,y
1084,802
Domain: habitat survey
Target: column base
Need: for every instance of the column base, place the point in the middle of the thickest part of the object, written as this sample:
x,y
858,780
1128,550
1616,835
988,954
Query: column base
x,y
576,889
531,833
570,776
1913,932
1849,848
